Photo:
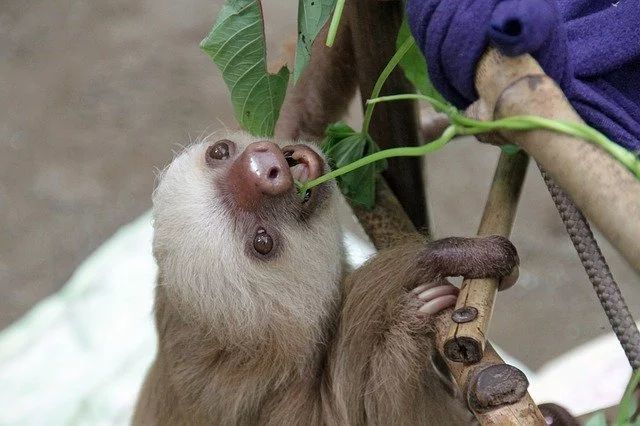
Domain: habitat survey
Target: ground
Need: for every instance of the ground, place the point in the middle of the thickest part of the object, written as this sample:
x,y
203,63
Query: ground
x,y
96,95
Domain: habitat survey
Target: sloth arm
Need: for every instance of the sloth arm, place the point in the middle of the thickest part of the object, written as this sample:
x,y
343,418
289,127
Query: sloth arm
x,y
322,93
380,367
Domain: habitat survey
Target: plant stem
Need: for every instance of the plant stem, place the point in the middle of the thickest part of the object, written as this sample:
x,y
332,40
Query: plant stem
x,y
526,122
414,151
439,106
335,22
393,62
467,126
625,407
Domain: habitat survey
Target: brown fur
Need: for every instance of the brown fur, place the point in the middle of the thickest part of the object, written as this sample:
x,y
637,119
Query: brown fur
x,y
323,91
364,358
196,379
382,359
375,368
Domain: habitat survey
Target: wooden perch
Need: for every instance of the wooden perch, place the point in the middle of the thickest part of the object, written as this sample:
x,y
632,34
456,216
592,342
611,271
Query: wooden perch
x,y
604,190
465,341
495,392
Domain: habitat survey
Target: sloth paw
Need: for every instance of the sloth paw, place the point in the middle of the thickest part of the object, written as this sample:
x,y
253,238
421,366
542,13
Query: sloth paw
x,y
432,300
490,256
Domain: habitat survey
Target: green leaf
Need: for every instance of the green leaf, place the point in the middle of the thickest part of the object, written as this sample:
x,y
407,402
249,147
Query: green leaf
x,y
372,147
343,146
346,150
414,65
597,419
312,15
629,404
510,149
337,131
236,44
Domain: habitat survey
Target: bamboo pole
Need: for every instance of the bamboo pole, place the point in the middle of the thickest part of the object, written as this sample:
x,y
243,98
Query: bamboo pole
x,y
465,341
604,190
495,392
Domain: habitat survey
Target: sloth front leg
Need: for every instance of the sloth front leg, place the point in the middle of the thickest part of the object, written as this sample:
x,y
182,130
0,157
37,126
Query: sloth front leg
x,y
479,257
381,363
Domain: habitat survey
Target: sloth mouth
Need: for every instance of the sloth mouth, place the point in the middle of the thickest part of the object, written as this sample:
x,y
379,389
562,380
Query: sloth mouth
x,y
304,164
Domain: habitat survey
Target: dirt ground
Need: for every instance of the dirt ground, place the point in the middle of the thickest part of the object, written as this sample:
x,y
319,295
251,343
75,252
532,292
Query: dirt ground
x,y
94,96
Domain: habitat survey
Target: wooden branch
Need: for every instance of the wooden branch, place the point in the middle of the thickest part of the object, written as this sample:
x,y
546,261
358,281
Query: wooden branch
x,y
374,26
604,190
465,341
496,393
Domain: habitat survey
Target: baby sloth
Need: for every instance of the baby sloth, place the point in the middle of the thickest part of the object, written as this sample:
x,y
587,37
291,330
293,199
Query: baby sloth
x,y
258,323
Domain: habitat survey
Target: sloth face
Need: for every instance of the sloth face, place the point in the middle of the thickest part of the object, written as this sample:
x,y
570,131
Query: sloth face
x,y
255,183
227,210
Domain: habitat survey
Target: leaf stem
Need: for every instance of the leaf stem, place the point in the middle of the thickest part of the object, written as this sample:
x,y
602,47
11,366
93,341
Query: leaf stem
x,y
625,407
393,62
413,151
439,106
526,122
462,125
335,22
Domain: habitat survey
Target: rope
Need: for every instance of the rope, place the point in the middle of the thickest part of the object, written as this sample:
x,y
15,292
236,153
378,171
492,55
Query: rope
x,y
598,272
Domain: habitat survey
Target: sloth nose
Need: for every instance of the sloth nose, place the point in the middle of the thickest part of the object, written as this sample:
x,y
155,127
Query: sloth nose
x,y
267,168
260,171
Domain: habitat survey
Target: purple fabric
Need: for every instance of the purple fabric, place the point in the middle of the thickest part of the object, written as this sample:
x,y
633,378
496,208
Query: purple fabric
x,y
590,47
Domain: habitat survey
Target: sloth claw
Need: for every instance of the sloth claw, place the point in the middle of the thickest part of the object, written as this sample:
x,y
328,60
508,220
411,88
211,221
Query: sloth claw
x,y
509,280
436,299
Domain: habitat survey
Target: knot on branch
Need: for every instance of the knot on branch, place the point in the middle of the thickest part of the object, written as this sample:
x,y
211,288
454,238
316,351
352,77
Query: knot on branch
x,y
496,385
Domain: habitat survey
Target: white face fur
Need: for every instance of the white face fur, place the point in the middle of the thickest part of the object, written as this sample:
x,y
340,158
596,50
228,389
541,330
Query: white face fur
x,y
200,244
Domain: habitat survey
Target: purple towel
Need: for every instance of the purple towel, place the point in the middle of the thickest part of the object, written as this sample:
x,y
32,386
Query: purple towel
x,y
590,47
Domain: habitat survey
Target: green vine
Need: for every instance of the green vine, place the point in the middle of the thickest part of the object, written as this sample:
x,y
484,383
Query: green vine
x,y
462,125
527,122
335,22
628,408
356,152
393,62
405,151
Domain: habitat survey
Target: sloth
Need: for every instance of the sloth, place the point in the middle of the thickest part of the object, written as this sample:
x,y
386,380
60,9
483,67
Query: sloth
x,y
258,320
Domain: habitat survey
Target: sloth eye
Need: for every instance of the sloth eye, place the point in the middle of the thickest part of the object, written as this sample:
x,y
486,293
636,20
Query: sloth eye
x,y
219,150
262,242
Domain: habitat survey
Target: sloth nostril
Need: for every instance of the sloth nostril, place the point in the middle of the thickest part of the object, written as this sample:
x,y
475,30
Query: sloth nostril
x,y
274,172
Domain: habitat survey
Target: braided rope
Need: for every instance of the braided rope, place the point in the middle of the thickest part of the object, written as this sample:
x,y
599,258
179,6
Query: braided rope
x,y
598,271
